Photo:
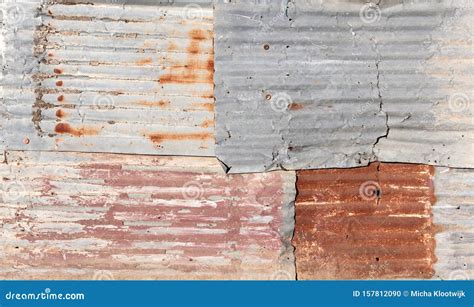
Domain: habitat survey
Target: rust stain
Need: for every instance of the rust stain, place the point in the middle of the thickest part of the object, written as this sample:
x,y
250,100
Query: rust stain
x,y
296,106
58,71
158,138
159,103
60,98
372,222
172,46
145,61
207,123
223,229
59,83
60,113
65,128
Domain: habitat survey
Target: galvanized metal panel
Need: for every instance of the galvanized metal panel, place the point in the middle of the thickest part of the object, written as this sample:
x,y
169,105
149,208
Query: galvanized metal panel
x,y
83,216
320,84
111,78
454,215
371,222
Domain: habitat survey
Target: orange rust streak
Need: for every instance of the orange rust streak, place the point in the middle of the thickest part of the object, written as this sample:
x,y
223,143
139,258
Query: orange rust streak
x,y
65,128
160,103
195,136
209,106
60,98
192,63
145,61
59,83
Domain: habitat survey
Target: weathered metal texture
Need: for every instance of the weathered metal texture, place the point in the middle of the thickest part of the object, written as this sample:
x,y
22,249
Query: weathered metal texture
x,y
454,214
112,78
371,222
84,216
321,84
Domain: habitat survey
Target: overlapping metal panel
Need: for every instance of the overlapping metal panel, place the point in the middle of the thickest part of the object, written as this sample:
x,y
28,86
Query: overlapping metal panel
x,y
316,84
84,216
371,222
454,216
110,78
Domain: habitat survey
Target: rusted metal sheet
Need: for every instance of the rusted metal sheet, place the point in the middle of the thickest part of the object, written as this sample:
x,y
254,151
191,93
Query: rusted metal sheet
x,y
371,222
75,215
111,78
454,215
309,84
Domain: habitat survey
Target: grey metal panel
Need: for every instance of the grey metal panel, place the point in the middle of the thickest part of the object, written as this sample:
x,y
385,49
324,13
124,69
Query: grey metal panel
x,y
319,84
454,215
111,78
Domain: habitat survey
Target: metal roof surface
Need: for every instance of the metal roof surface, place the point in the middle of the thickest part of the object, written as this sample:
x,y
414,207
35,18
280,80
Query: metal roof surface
x,y
320,84
109,78
371,222
84,216
454,215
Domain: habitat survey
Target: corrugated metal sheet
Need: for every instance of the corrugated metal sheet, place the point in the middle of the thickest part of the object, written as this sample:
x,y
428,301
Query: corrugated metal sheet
x,y
110,78
320,84
454,215
372,222
75,215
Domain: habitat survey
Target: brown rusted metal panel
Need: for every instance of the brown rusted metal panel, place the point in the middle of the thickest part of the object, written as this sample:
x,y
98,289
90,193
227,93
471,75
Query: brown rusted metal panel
x,y
84,216
372,222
